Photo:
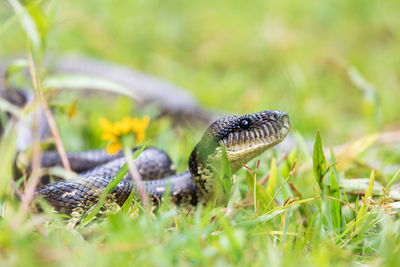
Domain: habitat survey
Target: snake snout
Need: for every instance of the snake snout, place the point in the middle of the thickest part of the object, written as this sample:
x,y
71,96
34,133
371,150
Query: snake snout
x,y
275,124
282,118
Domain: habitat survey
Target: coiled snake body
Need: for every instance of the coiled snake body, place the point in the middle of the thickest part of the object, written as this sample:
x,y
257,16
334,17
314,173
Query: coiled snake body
x,y
244,138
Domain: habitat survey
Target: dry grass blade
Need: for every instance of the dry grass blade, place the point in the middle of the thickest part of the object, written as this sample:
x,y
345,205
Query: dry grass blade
x,y
52,124
136,177
352,150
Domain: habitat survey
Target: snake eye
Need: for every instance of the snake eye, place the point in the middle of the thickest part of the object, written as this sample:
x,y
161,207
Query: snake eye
x,y
244,124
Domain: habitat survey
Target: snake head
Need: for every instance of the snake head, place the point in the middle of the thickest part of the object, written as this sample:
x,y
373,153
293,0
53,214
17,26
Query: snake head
x,y
244,137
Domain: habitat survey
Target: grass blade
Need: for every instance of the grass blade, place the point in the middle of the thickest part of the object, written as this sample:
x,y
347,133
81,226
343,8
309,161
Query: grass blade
x,y
354,149
128,202
273,178
319,162
394,180
225,177
368,194
27,23
336,206
81,82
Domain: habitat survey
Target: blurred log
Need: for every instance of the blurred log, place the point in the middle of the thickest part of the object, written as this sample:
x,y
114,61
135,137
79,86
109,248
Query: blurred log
x,y
171,99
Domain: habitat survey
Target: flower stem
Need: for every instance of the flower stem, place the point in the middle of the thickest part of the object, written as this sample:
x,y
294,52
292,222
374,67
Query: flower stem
x,y
135,176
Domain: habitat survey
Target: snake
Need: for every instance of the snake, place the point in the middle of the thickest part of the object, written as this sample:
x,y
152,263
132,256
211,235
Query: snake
x,y
242,137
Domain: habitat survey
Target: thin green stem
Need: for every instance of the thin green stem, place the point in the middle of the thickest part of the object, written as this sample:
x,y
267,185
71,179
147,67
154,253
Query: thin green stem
x,y
135,176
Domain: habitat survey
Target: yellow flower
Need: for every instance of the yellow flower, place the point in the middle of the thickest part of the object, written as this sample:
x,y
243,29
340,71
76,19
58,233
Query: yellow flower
x,y
139,137
125,125
108,136
114,132
105,125
139,127
113,147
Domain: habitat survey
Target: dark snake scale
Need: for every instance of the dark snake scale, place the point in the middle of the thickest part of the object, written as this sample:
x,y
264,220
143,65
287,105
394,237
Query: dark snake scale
x,y
244,138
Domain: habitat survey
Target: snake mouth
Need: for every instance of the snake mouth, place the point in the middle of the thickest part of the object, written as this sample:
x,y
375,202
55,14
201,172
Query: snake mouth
x,y
268,129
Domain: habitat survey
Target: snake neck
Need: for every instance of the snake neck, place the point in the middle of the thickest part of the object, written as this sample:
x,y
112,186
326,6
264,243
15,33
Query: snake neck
x,y
202,171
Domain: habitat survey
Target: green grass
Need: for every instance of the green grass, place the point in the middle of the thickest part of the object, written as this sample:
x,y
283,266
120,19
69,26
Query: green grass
x,y
332,65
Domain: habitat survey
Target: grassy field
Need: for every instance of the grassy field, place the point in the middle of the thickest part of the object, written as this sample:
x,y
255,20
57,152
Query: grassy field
x,y
332,65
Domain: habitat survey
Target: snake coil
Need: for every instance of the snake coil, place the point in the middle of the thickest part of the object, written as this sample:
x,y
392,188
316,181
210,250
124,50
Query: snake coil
x,y
244,138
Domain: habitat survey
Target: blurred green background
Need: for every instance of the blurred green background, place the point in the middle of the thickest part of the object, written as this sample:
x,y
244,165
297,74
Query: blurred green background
x,y
332,65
